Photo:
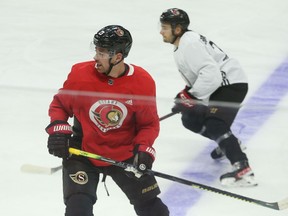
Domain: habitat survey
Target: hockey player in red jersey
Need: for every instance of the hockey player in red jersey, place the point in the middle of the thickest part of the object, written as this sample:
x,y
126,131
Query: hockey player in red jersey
x,y
114,110
215,87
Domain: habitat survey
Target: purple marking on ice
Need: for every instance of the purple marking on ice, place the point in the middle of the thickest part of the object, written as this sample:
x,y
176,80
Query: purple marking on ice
x,y
251,117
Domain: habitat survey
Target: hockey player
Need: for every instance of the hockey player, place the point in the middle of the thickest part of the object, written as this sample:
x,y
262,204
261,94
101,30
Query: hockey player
x,y
213,81
105,98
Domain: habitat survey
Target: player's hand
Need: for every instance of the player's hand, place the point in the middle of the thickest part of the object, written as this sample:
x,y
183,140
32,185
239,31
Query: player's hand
x,y
183,101
143,160
58,140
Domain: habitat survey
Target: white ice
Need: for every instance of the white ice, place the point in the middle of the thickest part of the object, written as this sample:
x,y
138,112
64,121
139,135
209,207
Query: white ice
x,y
40,40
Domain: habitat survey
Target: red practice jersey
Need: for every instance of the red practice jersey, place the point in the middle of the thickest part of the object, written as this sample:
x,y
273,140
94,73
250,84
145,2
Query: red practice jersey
x,y
115,113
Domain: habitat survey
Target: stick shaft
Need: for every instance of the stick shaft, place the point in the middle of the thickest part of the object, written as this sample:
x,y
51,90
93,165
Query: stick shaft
x,y
272,205
167,116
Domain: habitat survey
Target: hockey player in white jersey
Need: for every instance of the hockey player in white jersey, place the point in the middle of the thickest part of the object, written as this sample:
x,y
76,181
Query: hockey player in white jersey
x,y
216,85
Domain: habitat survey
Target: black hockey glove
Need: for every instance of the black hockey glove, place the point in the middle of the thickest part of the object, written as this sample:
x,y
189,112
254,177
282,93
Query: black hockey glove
x,y
143,160
184,101
58,140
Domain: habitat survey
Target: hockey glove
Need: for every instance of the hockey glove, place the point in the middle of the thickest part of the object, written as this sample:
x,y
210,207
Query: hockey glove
x,y
58,140
184,101
143,160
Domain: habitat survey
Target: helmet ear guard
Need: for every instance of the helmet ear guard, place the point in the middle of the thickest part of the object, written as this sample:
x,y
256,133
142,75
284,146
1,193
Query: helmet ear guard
x,y
114,38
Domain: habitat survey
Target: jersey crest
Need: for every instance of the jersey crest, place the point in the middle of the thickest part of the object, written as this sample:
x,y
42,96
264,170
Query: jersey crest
x,y
108,114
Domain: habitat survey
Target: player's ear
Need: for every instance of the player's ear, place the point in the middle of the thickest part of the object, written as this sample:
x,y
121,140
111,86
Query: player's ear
x,y
119,57
178,30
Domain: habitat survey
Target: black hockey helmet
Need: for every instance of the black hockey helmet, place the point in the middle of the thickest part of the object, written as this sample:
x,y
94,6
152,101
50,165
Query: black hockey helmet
x,y
175,16
115,38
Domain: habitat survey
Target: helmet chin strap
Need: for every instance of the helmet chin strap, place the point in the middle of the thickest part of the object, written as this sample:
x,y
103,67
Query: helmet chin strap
x,y
111,65
173,34
174,39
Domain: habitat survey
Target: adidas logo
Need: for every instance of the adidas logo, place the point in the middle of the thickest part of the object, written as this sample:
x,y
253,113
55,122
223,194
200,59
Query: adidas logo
x,y
130,102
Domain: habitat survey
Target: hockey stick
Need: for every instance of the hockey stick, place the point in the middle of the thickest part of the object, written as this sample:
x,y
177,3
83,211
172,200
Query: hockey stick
x,y
283,204
167,116
29,168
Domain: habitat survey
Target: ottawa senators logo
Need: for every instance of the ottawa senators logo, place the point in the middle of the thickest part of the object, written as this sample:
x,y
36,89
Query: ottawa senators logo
x,y
119,32
175,11
80,177
108,114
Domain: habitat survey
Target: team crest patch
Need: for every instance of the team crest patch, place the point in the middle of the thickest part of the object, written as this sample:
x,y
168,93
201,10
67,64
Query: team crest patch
x,y
175,12
119,32
108,114
80,177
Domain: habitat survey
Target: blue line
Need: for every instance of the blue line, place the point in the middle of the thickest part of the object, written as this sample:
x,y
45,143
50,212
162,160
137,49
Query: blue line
x,y
251,117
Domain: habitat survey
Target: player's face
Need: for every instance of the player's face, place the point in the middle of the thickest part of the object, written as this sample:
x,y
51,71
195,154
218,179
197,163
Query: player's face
x,y
166,32
102,58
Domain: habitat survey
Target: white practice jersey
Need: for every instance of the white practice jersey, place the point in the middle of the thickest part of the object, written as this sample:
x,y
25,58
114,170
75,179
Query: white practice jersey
x,y
204,66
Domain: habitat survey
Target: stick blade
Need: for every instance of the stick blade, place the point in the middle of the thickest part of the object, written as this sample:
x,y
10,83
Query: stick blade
x,y
29,168
283,204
